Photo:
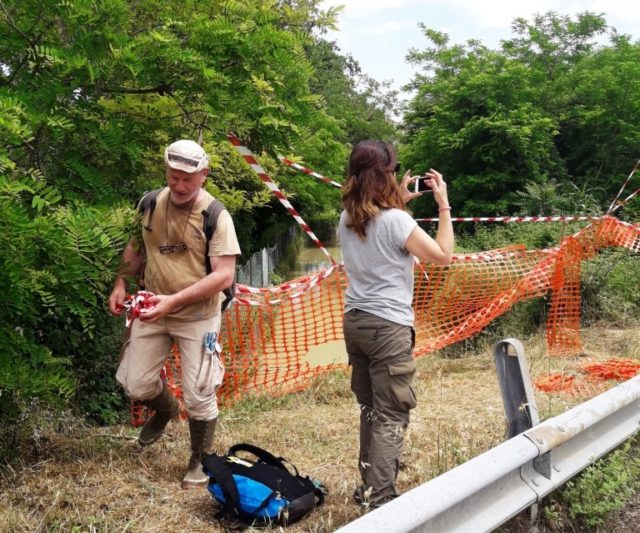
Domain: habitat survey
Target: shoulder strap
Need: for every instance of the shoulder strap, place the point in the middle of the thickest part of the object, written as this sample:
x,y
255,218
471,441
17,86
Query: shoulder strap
x,y
211,215
319,493
210,224
318,488
148,201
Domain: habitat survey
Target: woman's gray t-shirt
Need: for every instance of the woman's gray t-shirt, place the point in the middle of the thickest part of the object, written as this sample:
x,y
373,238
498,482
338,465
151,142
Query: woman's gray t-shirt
x,y
379,268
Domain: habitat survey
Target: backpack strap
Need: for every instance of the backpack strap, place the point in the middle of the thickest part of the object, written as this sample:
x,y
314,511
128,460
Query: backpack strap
x,y
261,454
210,224
317,487
148,202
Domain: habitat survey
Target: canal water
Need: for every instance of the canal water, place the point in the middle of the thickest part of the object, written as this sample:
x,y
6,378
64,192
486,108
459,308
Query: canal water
x,y
311,259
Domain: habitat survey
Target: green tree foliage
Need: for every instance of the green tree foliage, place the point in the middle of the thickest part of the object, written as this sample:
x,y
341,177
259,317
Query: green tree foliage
x,y
363,106
108,84
57,262
550,108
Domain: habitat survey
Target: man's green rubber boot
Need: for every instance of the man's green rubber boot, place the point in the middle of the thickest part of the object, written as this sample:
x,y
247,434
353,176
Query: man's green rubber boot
x,y
166,407
201,432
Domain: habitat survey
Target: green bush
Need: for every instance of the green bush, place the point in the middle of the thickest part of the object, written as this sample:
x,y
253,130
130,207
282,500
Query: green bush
x,y
58,265
533,236
604,487
609,284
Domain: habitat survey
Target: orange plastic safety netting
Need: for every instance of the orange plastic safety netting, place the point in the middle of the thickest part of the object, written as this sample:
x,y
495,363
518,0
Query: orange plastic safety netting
x,y
277,340
589,377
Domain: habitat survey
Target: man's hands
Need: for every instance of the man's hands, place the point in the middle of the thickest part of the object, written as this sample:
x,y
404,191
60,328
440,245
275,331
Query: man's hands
x,y
161,305
132,263
133,305
117,296
154,306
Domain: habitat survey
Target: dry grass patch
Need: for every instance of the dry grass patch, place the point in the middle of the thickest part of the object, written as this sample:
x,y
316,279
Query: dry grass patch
x,y
91,479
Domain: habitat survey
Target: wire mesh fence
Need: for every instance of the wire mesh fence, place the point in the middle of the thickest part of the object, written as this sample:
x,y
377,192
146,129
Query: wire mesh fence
x,y
257,271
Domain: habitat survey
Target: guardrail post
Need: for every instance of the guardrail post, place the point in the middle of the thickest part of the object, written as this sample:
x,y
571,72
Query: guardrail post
x,y
515,385
517,396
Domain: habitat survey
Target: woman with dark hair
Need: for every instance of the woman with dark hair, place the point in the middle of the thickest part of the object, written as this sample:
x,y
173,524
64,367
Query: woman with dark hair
x,y
379,240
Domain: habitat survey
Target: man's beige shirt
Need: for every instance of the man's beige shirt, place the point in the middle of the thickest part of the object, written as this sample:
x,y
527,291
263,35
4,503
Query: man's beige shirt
x,y
170,273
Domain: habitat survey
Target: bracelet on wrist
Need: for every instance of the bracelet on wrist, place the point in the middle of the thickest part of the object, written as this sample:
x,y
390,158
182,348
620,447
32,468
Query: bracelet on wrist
x,y
444,209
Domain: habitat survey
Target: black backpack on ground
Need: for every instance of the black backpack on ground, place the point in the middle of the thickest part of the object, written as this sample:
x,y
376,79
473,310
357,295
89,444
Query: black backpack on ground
x,y
260,492
209,225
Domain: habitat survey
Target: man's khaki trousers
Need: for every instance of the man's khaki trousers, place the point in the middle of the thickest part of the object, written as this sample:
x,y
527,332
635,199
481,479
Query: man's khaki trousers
x,y
147,349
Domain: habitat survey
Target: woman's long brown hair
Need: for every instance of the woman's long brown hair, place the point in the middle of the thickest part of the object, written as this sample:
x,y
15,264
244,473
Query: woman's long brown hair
x,y
371,185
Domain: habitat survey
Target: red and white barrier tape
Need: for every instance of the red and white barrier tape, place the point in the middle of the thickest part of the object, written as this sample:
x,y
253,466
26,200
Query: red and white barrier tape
x,y
457,219
133,304
620,203
628,224
310,172
246,289
514,219
611,207
305,284
253,163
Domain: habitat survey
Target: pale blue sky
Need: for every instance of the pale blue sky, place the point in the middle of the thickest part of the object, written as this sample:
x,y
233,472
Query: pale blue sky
x,y
379,33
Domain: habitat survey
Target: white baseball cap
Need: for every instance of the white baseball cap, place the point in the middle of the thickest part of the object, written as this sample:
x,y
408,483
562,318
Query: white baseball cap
x,y
186,155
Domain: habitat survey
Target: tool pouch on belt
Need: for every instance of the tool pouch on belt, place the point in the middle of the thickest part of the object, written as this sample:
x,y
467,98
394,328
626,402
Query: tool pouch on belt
x,y
211,371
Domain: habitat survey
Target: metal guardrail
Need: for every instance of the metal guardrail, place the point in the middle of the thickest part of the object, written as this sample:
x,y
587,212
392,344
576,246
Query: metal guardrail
x,y
491,488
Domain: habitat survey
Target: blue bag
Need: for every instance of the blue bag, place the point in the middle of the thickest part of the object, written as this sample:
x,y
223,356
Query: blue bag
x,y
260,492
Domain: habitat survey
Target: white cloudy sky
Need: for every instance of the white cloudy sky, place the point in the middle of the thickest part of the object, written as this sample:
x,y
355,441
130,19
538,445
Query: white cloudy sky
x,y
378,33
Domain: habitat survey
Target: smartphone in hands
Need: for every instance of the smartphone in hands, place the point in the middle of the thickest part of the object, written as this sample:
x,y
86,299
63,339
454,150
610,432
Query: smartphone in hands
x,y
421,184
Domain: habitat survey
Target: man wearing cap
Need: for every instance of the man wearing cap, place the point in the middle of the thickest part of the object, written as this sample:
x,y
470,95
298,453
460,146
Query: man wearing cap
x,y
186,303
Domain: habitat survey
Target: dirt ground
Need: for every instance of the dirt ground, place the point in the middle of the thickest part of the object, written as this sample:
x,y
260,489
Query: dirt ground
x,y
99,479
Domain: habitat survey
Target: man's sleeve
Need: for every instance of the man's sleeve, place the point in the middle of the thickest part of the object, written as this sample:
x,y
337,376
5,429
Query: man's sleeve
x,y
224,240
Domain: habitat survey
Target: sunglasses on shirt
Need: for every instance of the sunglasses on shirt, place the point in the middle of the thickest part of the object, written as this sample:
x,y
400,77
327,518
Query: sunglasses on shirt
x,y
171,248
